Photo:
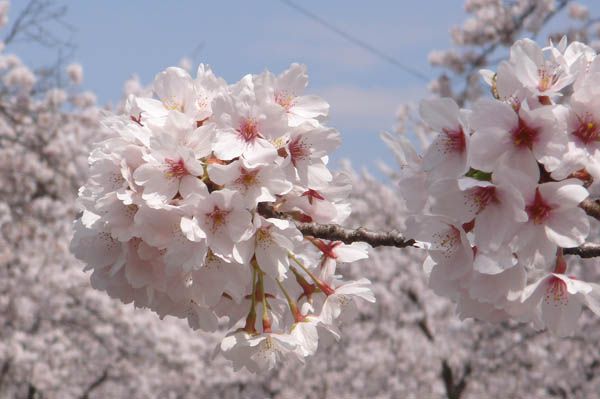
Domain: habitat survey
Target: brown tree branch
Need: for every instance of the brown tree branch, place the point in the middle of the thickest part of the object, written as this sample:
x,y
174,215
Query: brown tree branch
x,y
95,384
586,251
591,207
454,389
337,233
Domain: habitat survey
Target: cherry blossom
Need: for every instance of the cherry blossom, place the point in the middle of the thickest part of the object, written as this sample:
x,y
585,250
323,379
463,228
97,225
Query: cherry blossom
x,y
191,205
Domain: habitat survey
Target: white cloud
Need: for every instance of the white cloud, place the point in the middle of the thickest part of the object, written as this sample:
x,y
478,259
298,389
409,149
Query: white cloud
x,y
371,110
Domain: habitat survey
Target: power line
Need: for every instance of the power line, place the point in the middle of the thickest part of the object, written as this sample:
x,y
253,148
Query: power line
x,y
356,41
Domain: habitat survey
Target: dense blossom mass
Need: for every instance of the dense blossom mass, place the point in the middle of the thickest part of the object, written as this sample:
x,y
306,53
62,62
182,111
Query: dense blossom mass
x,y
189,210
499,189
60,338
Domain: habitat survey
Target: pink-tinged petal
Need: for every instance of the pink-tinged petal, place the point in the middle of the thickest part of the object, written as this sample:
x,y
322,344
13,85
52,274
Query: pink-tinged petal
x,y
260,152
200,140
487,148
506,82
202,318
192,185
568,228
574,286
494,288
429,230
439,281
156,198
523,306
305,333
521,160
468,307
224,174
565,194
294,79
150,106
88,219
447,153
138,272
239,225
447,199
242,251
493,227
171,86
527,58
592,298
158,187
360,288
352,252
492,115
145,173
191,229
185,254
440,113
193,166
96,248
309,107
228,144
560,317
272,259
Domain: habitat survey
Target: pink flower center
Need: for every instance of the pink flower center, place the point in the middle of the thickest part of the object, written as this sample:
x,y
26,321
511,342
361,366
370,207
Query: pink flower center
x,y
539,210
557,291
587,131
175,168
482,196
248,129
455,140
247,177
218,217
285,99
523,135
298,150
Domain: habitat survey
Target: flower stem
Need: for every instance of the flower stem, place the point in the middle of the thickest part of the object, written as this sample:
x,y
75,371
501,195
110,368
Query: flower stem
x,y
250,326
327,290
291,303
266,322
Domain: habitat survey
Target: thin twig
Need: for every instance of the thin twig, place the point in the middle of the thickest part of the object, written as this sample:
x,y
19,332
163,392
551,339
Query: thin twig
x,y
95,384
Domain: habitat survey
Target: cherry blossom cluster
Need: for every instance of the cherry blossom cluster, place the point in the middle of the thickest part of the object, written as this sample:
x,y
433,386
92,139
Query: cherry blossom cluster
x,y
491,27
190,210
496,196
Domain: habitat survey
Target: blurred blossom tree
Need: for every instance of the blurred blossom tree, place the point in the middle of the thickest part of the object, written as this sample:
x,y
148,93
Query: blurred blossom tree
x,y
59,338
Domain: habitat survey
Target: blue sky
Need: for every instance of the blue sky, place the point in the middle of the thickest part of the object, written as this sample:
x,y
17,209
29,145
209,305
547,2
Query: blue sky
x,y
115,39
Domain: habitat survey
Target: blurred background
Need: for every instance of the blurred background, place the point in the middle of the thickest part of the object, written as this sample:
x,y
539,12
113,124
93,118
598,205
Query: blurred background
x,y
65,63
